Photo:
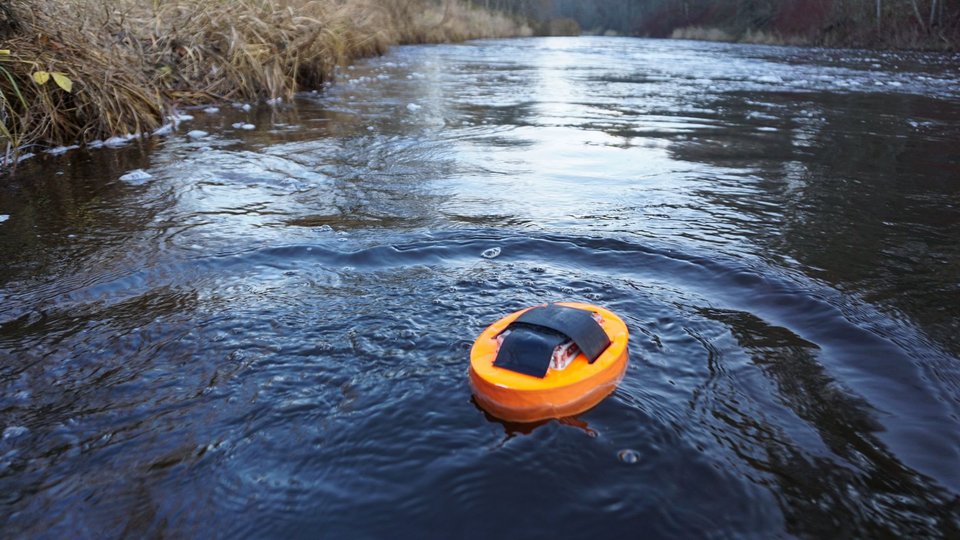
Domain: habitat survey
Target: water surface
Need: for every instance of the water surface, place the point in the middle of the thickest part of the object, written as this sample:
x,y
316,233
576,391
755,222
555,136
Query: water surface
x,y
268,337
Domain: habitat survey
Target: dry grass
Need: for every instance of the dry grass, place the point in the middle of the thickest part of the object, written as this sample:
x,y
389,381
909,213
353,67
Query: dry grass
x,y
132,61
772,38
701,34
561,27
758,37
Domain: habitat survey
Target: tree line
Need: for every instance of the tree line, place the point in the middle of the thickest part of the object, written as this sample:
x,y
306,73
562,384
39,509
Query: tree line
x,y
880,23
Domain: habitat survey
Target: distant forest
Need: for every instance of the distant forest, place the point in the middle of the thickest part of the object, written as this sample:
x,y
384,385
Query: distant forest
x,y
870,23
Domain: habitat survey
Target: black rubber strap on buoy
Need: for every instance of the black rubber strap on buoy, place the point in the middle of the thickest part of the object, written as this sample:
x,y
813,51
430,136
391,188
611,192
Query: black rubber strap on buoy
x,y
527,350
535,334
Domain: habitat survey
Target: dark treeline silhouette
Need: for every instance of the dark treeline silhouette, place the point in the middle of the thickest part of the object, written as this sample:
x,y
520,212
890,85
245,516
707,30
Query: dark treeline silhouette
x,y
872,23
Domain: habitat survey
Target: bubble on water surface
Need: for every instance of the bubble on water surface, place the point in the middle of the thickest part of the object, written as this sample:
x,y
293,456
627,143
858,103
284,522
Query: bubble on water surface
x,y
491,253
629,456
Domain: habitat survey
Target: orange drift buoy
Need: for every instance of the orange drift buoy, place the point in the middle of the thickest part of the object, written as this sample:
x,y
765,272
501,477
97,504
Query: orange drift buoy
x,y
548,361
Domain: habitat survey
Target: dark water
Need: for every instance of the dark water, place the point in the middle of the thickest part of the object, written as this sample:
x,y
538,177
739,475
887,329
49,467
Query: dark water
x,y
268,337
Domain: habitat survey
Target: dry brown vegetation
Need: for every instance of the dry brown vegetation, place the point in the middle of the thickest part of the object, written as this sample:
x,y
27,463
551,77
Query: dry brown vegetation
x,y
898,24
80,70
701,33
749,36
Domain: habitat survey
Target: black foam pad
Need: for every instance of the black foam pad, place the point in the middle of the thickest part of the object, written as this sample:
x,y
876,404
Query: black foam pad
x,y
578,324
533,336
528,350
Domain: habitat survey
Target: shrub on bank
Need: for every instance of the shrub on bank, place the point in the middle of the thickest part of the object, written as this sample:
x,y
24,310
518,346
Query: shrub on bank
x,y
701,34
750,36
125,64
558,27
920,24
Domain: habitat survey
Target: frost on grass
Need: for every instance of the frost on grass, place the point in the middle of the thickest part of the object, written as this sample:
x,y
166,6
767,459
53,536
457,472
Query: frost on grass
x,y
60,150
115,142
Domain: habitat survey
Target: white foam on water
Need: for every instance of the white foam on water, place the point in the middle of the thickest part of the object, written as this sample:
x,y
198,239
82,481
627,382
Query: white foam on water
x,y
136,176
163,130
177,119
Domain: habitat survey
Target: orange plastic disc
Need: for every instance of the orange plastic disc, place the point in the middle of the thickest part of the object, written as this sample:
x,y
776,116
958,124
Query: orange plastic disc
x,y
516,397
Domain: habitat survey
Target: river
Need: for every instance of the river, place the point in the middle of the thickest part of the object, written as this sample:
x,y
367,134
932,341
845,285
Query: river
x,y
266,333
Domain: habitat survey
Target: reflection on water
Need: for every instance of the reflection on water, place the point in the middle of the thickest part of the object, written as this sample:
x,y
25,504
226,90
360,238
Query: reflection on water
x,y
269,337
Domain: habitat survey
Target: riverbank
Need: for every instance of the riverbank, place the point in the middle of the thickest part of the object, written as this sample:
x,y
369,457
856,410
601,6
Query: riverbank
x,y
827,38
873,24
77,71
929,25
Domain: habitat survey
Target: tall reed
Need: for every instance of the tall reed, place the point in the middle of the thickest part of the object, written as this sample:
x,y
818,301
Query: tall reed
x,y
125,64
